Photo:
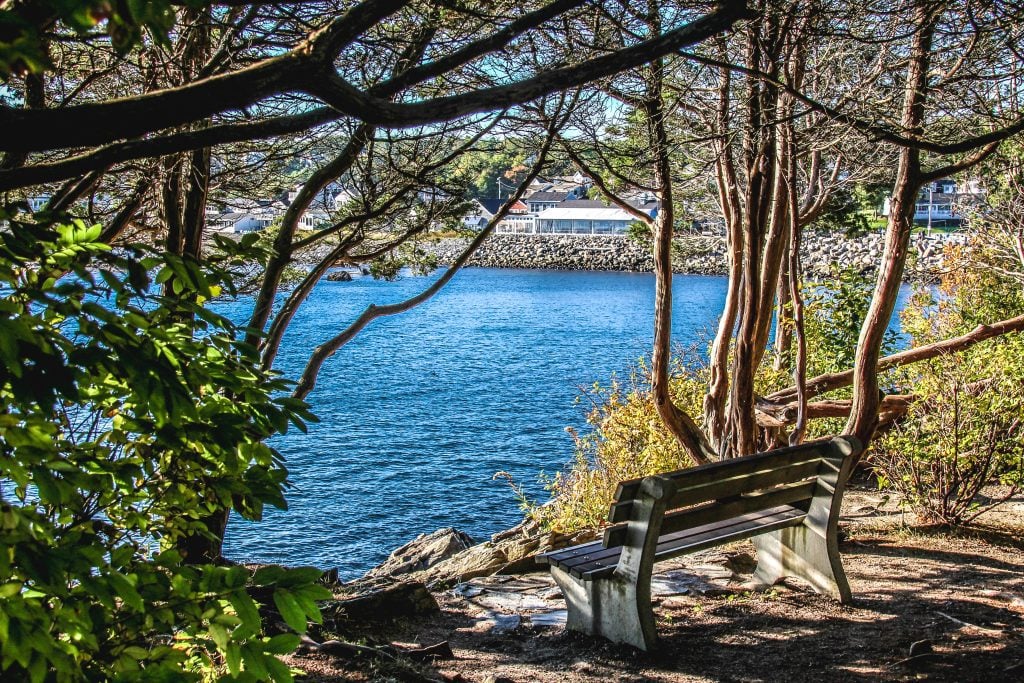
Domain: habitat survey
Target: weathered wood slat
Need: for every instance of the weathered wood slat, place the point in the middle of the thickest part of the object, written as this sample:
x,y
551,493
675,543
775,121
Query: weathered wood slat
x,y
683,542
694,544
560,556
737,486
747,464
797,494
728,484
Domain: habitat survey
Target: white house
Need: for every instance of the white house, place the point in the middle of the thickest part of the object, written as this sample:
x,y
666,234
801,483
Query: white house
x,y
569,220
313,219
242,221
941,203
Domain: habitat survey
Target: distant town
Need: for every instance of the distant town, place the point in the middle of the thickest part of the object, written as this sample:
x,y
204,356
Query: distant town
x,y
553,206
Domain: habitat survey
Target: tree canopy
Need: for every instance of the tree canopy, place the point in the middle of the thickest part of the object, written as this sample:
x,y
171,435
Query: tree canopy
x,y
135,419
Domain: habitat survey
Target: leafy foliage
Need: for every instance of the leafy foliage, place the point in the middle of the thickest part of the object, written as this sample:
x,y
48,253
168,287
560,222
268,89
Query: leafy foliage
x,y
835,311
22,33
628,441
965,430
128,417
845,213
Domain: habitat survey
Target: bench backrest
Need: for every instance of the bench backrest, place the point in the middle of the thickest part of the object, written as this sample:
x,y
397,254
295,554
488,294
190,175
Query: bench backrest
x,y
722,490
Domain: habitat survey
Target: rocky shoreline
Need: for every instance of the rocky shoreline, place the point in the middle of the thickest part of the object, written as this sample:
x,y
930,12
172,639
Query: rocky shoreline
x,y
700,255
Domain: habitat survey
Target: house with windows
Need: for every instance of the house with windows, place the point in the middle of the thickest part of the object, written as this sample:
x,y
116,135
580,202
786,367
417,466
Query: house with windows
x,y
588,217
541,201
941,203
519,219
239,222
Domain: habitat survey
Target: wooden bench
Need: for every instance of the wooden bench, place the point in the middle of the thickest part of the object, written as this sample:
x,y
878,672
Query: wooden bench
x,y
786,500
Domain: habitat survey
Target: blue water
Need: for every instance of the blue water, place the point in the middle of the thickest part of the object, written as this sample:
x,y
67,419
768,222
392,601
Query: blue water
x,y
420,410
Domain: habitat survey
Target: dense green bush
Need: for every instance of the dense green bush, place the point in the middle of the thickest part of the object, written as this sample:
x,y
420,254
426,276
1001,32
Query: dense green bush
x,y
127,418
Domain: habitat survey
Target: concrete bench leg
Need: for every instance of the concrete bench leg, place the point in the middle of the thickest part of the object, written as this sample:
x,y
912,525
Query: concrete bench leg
x,y
612,608
618,607
800,551
810,551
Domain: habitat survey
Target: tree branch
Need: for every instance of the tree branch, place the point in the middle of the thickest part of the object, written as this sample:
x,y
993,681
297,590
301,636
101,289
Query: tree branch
x,y
824,383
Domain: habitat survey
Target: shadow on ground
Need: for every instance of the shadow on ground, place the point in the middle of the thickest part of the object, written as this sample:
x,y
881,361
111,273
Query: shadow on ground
x,y
927,607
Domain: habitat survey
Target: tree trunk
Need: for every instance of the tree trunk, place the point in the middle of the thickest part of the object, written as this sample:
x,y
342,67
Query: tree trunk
x,y
729,201
677,421
866,400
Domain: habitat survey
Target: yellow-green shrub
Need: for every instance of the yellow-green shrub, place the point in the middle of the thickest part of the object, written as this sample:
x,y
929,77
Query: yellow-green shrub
x,y
628,441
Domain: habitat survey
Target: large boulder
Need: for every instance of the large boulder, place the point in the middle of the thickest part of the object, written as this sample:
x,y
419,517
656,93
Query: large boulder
x,y
513,551
423,552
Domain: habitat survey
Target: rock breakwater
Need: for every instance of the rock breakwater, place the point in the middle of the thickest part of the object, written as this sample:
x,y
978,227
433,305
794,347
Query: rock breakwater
x,y
702,255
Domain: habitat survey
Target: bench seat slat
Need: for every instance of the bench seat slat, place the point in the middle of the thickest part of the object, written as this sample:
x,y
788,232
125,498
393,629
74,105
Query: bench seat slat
x,y
694,540
558,557
797,494
599,560
687,542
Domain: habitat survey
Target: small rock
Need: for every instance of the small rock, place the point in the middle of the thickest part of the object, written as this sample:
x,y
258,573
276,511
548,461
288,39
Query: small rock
x,y
502,623
498,679
552,618
339,276
396,601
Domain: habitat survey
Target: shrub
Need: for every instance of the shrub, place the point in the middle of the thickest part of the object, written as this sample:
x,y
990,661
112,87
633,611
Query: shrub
x,y
127,418
959,436
964,430
628,441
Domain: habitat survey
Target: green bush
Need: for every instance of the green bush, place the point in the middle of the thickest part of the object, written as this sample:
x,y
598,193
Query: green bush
x,y
627,441
128,418
964,430
961,435
834,312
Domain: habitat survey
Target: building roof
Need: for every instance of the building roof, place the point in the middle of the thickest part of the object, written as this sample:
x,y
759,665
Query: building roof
x,y
547,197
233,215
492,204
584,204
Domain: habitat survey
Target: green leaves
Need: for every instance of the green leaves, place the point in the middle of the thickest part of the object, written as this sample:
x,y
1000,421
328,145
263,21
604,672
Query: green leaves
x,y
127,418
23,25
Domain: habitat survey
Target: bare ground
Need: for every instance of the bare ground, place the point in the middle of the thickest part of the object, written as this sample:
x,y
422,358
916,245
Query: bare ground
x,y
928,605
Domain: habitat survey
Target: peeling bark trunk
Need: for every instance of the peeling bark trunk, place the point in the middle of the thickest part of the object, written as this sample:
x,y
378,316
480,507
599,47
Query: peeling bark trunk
x,y
681,425
729,201
866,400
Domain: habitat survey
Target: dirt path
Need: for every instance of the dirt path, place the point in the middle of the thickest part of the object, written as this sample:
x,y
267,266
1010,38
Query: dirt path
x,y
954,602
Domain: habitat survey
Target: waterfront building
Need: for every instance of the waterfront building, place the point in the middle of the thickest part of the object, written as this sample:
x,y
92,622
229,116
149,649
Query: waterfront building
x,y
239,222
941,204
